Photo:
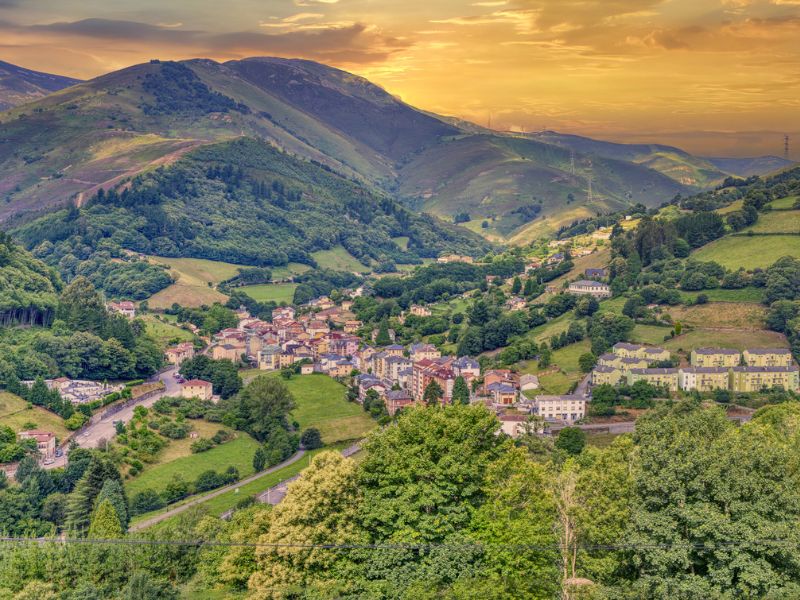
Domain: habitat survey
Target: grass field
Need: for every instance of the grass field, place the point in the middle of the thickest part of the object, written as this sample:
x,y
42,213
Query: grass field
x,y
732,207
613,305
784,203
739,339
321,403
192,278
736,315
566,359
275,292
784,221
164,333
14,413
339,259
748,294
749,252
401,241
649,334
289,270
237,452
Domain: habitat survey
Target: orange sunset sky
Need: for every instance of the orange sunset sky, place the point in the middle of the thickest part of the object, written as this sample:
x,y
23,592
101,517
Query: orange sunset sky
x,y
713,76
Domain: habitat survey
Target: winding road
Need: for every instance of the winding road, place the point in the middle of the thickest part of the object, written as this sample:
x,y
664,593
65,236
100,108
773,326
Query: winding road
x,y
102,428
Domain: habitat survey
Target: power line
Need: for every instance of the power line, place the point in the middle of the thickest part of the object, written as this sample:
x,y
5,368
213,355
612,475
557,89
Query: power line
x,y
427,546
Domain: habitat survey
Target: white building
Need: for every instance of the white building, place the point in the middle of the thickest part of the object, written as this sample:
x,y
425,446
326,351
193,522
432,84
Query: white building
x,y
562,408
587,287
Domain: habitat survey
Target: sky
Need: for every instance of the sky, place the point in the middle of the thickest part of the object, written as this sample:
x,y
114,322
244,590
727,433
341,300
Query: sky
x,y
717,77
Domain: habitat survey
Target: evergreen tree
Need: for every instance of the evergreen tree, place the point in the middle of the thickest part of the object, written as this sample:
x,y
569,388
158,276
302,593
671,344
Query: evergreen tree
x,y
105,524
460,391
433,394
82,500
516,286
113,492
383,339
81,307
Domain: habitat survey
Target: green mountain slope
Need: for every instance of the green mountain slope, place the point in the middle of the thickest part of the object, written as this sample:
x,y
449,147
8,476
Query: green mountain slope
x,y
28,288
247,203
19,85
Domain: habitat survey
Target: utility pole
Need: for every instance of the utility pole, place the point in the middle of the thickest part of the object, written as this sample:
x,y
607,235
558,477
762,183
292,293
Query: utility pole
x,y
589,178
786,146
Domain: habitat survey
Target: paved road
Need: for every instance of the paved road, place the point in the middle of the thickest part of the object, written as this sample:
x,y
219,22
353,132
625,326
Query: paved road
x,y
277,492
103,428
179,509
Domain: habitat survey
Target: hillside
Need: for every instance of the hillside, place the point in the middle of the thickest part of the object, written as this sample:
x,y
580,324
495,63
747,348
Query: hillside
x,y
246,203
19,85
28,288
746,167
65,147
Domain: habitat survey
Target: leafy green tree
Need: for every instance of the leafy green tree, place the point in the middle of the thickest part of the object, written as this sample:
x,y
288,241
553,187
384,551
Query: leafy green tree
x,y
545,356
516,286
259,459
311,439
433,394
261,407
142,586
460,391
586,362
571,440
81,307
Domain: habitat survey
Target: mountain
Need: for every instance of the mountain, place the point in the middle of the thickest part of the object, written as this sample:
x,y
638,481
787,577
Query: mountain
x,y
19,85
98,134
28,288
244,202
747,167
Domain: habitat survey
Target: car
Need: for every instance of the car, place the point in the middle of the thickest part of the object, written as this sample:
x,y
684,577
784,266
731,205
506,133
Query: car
x,y
181,380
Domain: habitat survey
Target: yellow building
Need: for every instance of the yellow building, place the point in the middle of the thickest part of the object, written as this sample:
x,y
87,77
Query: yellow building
x,y
649,353
754,379
667,378
715,357
603,374
623,363
704,379
767,357
197,388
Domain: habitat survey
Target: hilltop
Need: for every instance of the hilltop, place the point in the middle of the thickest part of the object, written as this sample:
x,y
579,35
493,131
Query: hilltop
x,y
97,134
19,85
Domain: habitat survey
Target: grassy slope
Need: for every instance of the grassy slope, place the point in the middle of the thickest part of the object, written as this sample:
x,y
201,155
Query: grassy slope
x,y
237,452
736,315
192,276
339,259
14,413
738,338
749,252
562,373
781,221
164,333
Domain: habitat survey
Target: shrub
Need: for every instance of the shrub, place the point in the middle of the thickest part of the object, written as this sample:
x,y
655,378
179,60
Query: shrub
x,y
145,501
201,445
311,439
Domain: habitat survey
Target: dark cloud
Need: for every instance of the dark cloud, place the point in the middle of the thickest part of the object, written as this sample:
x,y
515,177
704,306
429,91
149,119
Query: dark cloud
x,y
113,29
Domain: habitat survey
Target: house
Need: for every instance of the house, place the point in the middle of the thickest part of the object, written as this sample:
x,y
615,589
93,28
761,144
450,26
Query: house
x,y
502,393
565,408
419,310
532,265
425,371
767,357
649,353
715,357
197,388
269,357
587,287
394,350
466,367
346,305
317,328
704,379
45,443
515,303
420,351
176,355
601,273
366,382
283,312
397,400
352,325
306,369
607,375
126,308
528,382
232,352
512,425
754,379
556,258
666,378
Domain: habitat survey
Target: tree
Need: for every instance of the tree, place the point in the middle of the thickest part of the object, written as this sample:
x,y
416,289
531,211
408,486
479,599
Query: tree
x,y
383,338
433,393
105,524
261,407
571,440
460,391
311,439
112,491
81,307
259,459
142,586
319,508
82,500
586,362
545,356
516,285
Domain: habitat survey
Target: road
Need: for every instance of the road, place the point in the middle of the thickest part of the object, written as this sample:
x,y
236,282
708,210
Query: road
x,y
277,492
101,429
179,509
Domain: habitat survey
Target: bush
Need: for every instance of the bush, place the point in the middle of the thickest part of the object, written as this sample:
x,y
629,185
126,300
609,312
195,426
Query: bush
x,y
201,445
311,439
76,421
145,501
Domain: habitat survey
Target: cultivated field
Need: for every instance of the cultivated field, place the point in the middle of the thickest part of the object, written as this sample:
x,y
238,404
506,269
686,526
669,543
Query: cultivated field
x,y
784,203
193,276
748,294
736,315
749,252
14,413
275,292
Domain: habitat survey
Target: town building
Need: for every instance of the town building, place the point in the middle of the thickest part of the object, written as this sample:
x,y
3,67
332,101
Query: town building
x,y
565,408
269,358
513,425
178,354
502,393
650,353
704,379
767,357
421,351
715,357
755,379
516,303
666,378
454,258
232,352
397,400
197,388
607,375
419,311
528,382
594,274
126,308
586,287
45,443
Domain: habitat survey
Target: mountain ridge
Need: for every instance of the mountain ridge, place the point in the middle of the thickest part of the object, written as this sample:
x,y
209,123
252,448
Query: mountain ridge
x,y
19,85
